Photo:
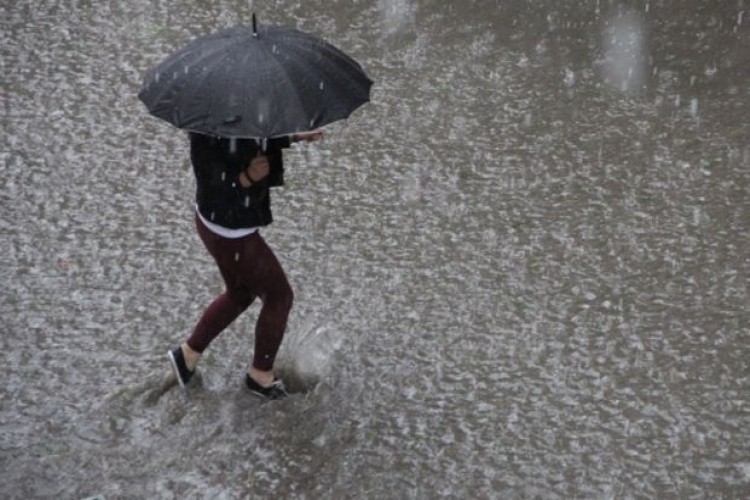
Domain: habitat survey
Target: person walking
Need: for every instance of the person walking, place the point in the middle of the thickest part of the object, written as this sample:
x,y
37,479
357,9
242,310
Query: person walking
x,y
233,202
258,81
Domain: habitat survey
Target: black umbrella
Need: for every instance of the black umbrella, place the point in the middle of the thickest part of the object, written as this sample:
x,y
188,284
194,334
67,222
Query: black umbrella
x,y
258,82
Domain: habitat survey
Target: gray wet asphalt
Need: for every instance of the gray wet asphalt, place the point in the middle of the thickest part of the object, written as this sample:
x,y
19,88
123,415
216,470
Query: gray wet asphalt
x,y
521,271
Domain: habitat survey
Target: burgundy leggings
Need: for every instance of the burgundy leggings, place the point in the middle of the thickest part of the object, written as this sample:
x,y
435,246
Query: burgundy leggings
x,y
250,269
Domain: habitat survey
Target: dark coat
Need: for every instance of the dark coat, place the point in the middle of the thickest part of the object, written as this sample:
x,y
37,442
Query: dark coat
x,y
221,199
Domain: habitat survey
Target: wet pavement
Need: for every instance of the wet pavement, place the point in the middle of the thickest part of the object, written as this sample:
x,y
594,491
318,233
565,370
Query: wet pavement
x,y
520,271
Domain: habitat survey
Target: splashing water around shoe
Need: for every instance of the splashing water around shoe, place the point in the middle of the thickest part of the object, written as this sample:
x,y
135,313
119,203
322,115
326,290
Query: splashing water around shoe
x,y
309,357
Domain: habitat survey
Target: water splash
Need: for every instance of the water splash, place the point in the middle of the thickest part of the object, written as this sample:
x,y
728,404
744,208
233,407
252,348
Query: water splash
x,y
308,356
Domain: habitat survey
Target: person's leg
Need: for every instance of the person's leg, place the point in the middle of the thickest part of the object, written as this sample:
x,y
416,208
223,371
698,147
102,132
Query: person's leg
x,y
250,269
227,306
264,277
222,311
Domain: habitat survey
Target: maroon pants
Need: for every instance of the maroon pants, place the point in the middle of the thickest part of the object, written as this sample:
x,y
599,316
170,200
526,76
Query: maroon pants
x,y
250,269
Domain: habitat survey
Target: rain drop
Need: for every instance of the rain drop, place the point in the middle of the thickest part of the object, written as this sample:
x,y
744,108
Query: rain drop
x,y
213,215
321,85
740,16
187,70
232,145
237,256
156,78
694,107
223,176
260,117
570,77
696,215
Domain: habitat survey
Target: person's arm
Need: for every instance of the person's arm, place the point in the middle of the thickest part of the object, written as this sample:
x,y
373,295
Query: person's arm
x,y
201,150
272,162
311,136
279,143
286,141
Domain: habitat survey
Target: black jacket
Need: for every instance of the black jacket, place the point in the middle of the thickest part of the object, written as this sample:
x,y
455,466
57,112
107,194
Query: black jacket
x,y
217,164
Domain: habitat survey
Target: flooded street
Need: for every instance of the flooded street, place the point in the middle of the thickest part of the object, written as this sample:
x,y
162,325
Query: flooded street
x,y
521,271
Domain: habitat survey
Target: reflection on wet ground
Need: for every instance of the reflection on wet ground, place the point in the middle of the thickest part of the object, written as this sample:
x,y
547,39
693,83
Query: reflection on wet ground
x,y
520,271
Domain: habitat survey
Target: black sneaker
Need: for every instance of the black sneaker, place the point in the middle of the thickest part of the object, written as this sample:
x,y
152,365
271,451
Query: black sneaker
x,y
275,391
180,368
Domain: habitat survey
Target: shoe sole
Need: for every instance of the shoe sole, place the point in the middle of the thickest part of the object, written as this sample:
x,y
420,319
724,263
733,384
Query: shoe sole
x,y
265,397
175,369
259,394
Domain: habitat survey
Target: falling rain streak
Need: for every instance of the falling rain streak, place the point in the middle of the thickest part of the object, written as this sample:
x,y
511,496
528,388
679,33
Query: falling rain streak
x,y
520,271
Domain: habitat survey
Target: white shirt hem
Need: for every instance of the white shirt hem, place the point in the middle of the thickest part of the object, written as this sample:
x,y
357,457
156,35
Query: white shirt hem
x,y
225,231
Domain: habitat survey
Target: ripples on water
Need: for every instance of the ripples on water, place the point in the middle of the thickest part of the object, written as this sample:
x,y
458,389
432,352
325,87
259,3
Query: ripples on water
x,y
512,277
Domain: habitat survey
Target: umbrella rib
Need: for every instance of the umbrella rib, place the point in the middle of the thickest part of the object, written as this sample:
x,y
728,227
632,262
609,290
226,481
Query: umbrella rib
x,y
309,62
283,71
166,88
338,54
206,74
332,53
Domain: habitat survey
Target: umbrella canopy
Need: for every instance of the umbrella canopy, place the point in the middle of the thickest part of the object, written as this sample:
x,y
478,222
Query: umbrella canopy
x,y
255,82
